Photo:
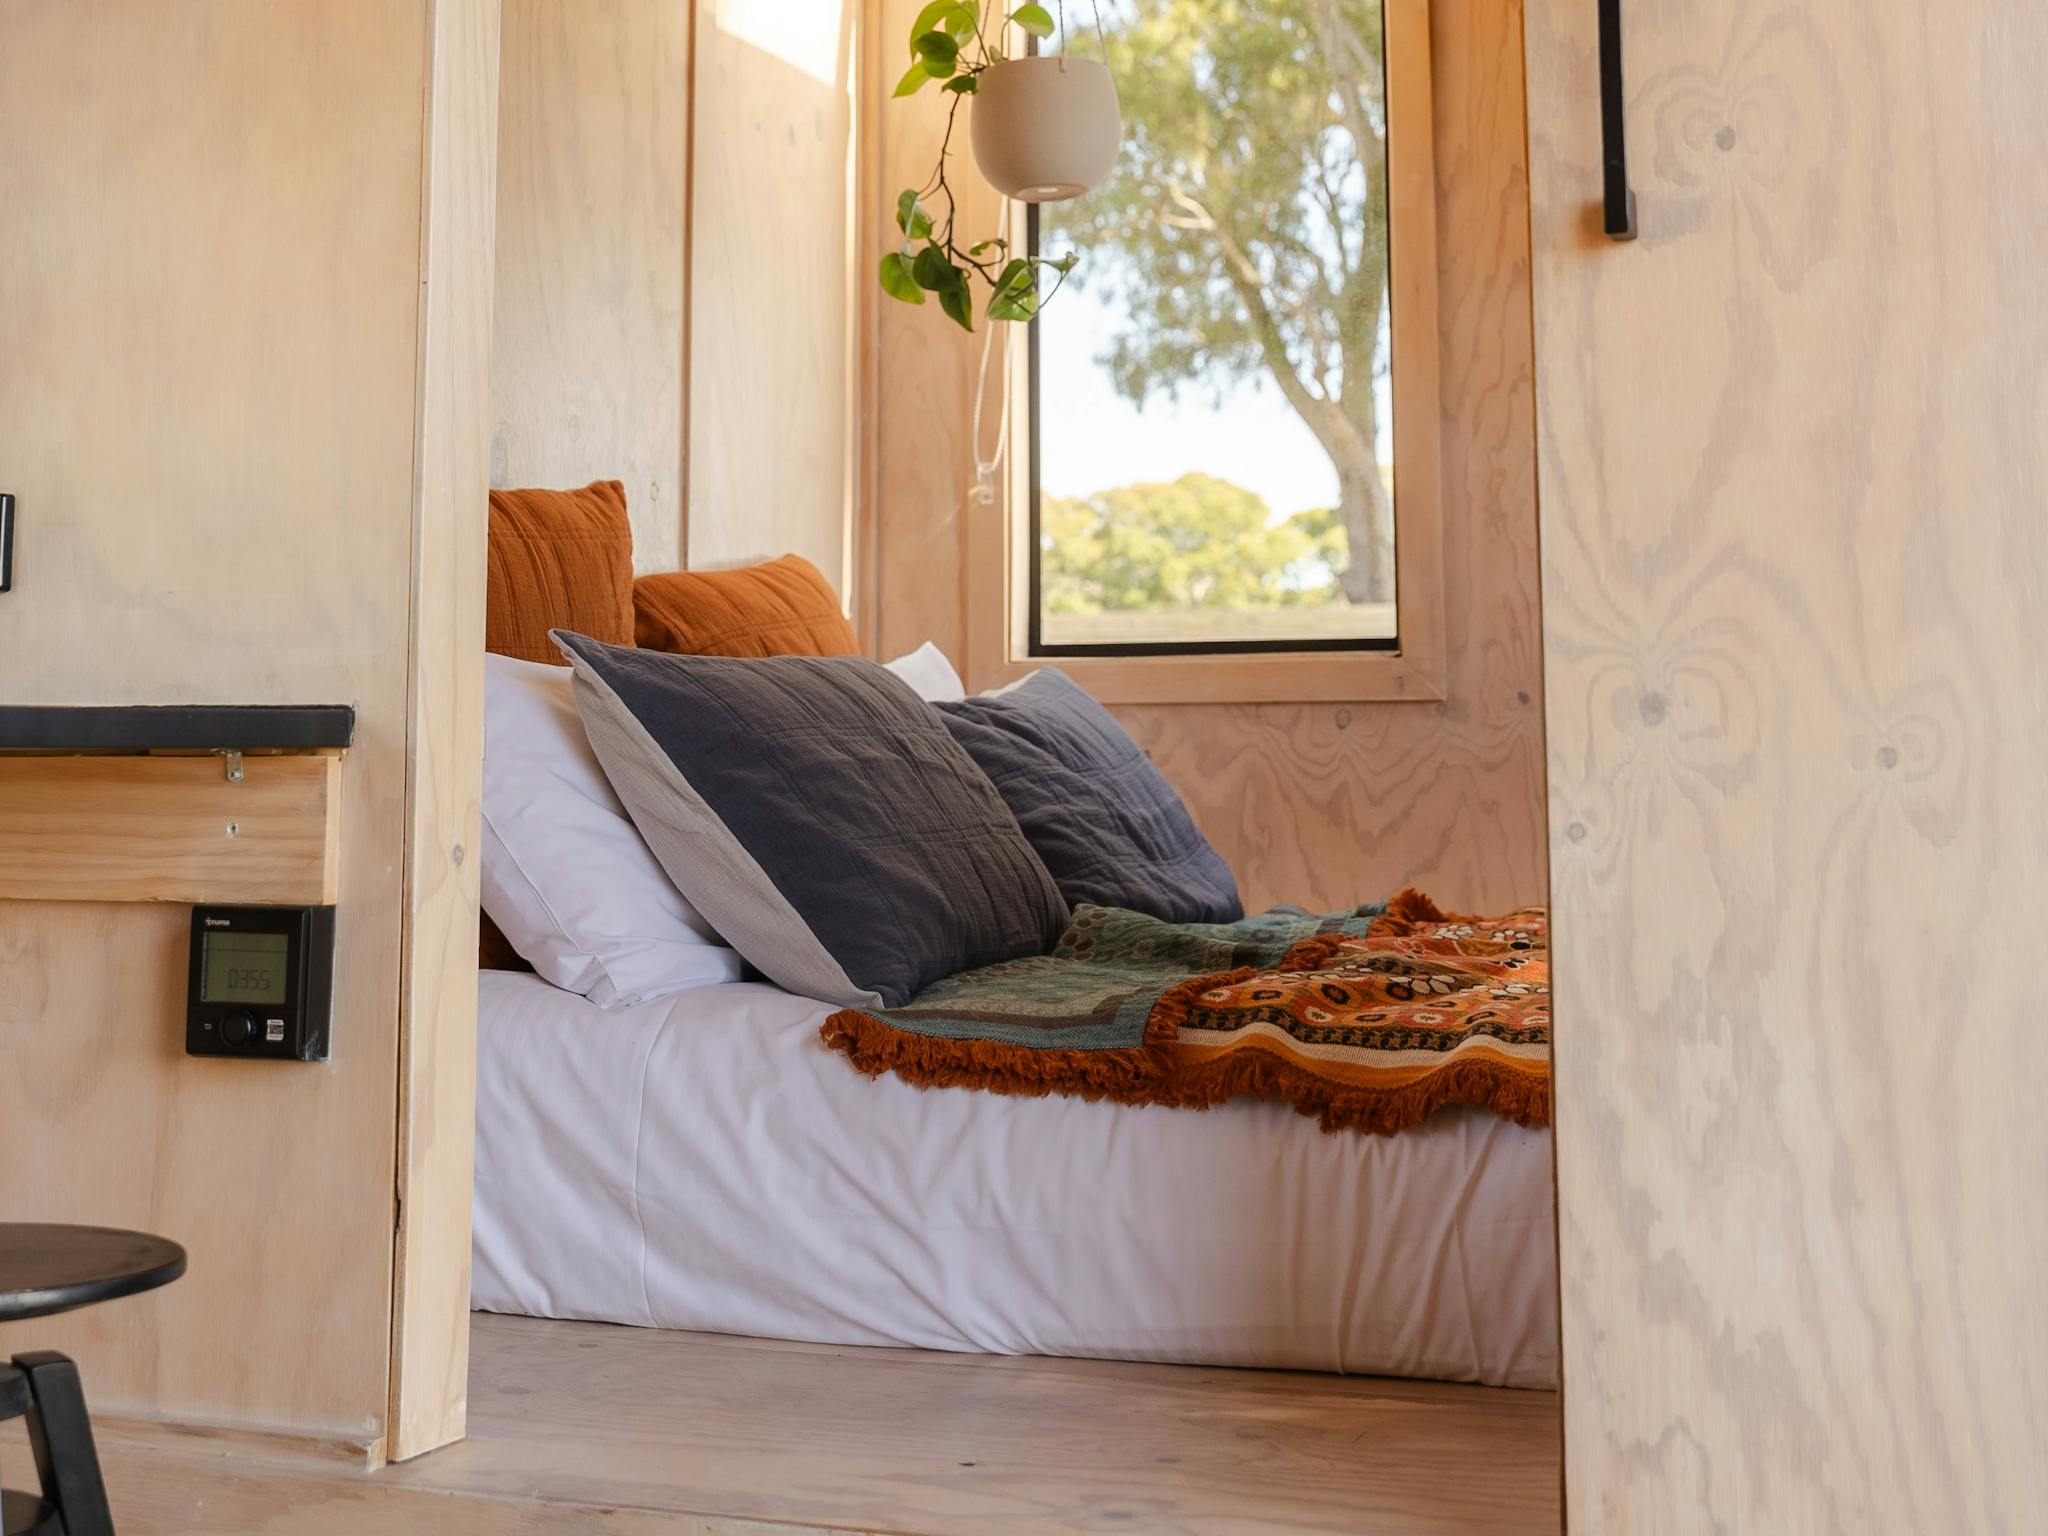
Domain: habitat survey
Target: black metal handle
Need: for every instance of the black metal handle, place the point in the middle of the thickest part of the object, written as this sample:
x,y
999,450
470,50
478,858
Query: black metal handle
x,y
1621,202
6,542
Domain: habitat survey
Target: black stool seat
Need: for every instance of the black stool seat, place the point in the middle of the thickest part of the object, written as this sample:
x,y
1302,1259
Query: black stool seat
x,y
46,1268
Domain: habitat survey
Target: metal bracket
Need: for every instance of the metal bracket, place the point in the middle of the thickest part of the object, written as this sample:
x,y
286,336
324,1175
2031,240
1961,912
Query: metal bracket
x,y
231,760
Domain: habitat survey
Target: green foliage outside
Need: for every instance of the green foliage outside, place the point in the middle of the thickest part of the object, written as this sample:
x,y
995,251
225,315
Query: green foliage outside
x,y
1198,543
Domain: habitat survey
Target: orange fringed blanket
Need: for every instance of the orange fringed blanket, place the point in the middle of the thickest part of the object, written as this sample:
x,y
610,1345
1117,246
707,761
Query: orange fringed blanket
x,y
1370,1020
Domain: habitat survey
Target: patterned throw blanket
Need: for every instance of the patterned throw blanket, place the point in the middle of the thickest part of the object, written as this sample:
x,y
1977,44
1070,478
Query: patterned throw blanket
x,y
1368,1020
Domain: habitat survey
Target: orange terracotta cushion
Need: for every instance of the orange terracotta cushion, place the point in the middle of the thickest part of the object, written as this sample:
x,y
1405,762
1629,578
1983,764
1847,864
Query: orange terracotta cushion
x,y
494,952
558,559
782,607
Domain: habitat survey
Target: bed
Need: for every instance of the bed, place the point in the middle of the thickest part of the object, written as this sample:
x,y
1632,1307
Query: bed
x,y
704,1162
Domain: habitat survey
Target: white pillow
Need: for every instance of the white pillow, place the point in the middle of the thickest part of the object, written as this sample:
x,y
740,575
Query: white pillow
x,y
566,874
927,670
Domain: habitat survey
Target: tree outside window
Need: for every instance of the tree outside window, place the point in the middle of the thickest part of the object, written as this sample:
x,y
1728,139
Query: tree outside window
x,y
1214,398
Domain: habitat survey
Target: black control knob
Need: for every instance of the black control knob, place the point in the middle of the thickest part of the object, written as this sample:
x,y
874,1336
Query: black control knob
x,y
238,1028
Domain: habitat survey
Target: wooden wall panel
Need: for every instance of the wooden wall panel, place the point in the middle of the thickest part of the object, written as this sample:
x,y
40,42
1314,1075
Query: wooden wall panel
x,y
587,375
213,343
773,316
1327,803
1794,460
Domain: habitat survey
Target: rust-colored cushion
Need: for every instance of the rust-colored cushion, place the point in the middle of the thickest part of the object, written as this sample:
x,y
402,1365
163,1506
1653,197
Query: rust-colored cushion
x,y
494,952
782,607
558,560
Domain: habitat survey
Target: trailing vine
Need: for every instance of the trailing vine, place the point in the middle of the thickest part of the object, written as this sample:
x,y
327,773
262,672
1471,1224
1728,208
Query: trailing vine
x,y
948,44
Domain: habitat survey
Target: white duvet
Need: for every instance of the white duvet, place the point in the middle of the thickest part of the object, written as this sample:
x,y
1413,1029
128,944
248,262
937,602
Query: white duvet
x,y
703,1162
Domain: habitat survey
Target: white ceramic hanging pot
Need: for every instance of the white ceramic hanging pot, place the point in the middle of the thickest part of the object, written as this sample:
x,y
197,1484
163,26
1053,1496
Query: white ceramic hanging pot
x,y
1046,128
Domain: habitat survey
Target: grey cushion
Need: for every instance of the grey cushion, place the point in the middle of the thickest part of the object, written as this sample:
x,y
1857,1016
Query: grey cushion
x,y
1102,817
818,814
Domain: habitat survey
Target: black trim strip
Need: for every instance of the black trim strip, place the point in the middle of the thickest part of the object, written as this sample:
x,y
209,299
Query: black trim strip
x,y
175,727
1618,199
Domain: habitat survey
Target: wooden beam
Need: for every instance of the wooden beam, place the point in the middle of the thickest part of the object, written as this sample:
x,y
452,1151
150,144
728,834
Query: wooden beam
x,y
170,829
445,739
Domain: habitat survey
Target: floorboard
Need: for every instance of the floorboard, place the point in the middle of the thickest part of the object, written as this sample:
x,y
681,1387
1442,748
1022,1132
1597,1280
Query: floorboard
x,y
583,1427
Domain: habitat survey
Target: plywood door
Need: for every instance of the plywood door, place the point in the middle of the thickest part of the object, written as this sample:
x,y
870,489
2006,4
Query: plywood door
x,y
1794,464
210,326
243,423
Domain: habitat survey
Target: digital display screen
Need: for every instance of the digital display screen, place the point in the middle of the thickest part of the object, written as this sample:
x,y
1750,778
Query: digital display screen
x,y
244,968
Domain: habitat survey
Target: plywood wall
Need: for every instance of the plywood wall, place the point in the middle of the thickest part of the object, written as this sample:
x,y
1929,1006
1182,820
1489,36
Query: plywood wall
x,y
213,330
772,317
1334,802
1794,465
674,304
593,153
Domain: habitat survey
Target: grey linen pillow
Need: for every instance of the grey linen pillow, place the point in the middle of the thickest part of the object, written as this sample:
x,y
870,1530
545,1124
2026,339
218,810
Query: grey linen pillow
x,y
1104,819
818,814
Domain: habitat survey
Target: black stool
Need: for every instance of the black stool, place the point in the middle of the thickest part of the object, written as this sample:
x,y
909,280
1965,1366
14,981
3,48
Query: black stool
x,y
49,1269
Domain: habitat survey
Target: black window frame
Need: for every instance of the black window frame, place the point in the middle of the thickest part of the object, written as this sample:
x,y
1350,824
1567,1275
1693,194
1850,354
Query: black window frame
x,y
1036,646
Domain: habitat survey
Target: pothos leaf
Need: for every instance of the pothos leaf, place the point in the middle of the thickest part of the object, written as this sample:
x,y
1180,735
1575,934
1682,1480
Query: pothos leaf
x,y
961,85
897,281
1035,19
1015,296
987,245
913,79
956,303
928,19
932,270
911,218
939,52
959,17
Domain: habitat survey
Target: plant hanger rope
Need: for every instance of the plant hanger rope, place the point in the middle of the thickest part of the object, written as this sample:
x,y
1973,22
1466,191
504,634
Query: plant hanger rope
x,y
1101,35
983,490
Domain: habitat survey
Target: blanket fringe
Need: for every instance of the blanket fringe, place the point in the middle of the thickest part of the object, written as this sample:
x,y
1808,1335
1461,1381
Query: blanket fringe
x,y
1409,910
1126,1077
1512,1092
1508,1091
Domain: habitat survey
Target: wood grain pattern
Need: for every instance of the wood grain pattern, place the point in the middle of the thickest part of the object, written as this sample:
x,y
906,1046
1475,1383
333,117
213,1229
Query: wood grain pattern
x,y
445,748
170,829
773,320
163,1481
582,1427
587,356
1323,803
212,330
905,1440
1794,455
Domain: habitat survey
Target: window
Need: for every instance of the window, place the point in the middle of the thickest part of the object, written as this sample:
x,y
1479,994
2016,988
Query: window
x,y
1212,392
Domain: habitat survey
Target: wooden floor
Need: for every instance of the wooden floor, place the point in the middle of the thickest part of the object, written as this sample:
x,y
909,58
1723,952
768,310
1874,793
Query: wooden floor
x,y
579,1427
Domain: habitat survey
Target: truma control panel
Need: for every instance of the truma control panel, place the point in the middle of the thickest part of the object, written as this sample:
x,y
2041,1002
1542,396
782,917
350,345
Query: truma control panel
x,y
260,982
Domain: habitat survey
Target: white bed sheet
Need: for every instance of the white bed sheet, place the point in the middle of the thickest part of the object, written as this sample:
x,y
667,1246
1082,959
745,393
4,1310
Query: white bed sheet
x,y
704,1162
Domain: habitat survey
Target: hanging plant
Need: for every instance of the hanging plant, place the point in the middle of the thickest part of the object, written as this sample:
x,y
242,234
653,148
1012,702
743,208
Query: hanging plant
x,y
947,45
